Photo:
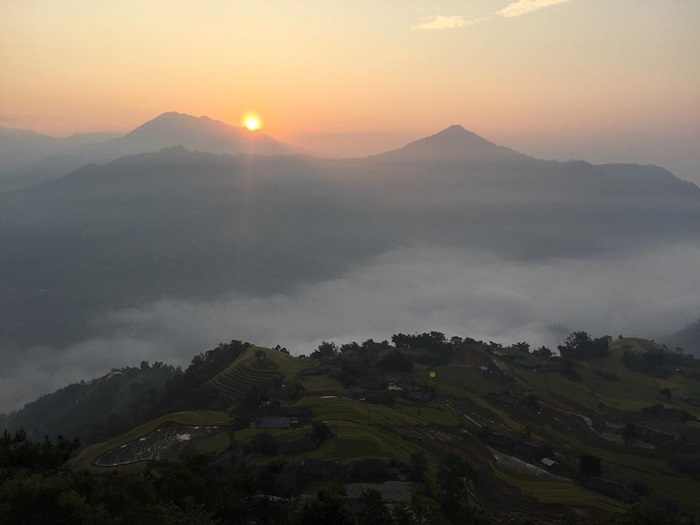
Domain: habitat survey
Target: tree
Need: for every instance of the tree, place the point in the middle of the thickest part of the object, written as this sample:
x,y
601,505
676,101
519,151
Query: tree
x,y
666,392
522,347
327,508
630,433
320,432
18,453
375,511
419,466
264,443
579,345
397,361
543,351
325,350
589,465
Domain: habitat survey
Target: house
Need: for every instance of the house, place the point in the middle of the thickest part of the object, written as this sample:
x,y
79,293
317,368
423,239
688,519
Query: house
x,y
548,462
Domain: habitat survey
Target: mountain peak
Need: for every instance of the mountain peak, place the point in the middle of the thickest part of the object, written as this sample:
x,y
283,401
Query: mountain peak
x,y
454,143
199,134
172,119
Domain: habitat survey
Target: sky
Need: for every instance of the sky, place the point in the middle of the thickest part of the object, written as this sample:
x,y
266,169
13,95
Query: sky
x,y
596,79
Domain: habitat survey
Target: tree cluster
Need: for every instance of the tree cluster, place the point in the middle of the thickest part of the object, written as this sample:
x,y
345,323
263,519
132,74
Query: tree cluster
x,y
580,345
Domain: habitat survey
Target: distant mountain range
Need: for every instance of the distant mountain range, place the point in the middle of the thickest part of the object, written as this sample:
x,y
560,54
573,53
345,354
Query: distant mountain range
x,y
29,158
180,223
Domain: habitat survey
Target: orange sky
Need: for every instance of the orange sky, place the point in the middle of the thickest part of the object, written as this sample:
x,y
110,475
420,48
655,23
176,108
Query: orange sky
x,y
538,74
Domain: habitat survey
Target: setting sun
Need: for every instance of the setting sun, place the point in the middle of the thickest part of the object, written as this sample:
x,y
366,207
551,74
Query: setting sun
x,y
252,122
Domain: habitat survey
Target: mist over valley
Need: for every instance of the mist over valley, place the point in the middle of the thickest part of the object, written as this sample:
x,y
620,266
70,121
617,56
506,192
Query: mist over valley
x,y
161,254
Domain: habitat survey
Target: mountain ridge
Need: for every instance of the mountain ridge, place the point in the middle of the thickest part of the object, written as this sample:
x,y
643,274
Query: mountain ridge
x,y
163,131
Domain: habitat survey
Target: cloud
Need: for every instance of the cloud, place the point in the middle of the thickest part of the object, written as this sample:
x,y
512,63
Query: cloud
x,y
518,8
523,7
441,23
410,289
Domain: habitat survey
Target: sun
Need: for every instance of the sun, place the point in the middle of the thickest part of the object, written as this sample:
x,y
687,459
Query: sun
x,y
252,122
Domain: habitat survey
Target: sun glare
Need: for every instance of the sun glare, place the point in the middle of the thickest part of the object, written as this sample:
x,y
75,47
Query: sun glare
x,y
252,122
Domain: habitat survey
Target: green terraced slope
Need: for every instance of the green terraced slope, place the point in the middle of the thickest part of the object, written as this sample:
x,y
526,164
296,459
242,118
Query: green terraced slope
x,y
258,368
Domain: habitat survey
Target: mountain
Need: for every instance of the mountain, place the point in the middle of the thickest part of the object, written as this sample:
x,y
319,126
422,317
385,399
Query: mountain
x,y
21,147
454,144
196,134
97,409
186,224
193,226
688,339
54,158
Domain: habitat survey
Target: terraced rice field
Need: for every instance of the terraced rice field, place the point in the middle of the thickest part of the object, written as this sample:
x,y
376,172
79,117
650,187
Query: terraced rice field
x,y
248,373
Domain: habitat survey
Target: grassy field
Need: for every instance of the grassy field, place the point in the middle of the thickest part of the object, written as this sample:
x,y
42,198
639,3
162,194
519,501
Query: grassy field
x,y
353,437
214,445
88,455
632,468
356,441
316,385
563,493
342,409
457,380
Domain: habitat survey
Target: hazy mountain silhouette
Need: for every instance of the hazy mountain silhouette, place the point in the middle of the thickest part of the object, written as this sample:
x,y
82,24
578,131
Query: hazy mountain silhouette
x,y
196,134
21,147
183,224
688,339
46,158
454,144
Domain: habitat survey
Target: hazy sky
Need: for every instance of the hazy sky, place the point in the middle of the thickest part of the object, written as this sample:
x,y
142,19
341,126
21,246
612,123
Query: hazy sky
x,y
558,78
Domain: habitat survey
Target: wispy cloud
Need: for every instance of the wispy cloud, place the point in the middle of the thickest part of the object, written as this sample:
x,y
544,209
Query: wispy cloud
x,y
523,7
513,9
441,23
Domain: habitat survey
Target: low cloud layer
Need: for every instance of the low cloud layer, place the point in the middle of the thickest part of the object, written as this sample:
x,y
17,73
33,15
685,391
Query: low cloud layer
x,y
410,289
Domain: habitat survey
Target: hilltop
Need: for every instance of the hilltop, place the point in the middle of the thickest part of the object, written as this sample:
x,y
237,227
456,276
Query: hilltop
x,y
589,429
